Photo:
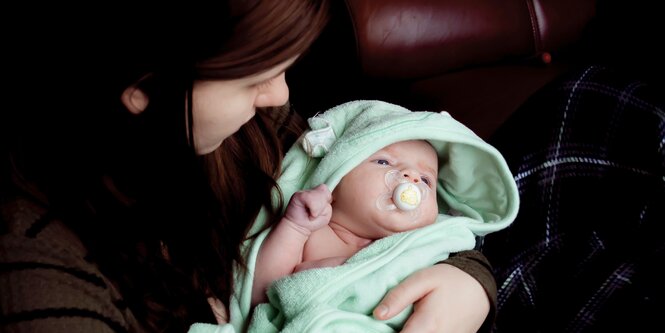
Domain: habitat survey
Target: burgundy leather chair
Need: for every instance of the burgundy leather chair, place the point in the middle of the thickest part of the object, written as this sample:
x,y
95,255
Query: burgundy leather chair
x,y
478,59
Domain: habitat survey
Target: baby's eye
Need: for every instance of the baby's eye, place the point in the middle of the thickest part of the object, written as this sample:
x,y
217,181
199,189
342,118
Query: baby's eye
x,y
426,180
382,162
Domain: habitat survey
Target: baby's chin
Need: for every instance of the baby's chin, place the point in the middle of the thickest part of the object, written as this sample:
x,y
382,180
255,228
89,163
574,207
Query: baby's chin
x,y
397,221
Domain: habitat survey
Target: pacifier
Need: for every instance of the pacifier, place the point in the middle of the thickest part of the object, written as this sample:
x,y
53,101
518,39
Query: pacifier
x,y
407,196
402,194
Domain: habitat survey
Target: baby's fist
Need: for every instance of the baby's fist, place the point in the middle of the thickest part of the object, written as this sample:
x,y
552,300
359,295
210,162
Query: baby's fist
x,y
310,209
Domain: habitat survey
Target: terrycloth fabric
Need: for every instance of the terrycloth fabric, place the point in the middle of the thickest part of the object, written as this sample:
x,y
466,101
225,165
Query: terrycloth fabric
x,y
341,299
474,182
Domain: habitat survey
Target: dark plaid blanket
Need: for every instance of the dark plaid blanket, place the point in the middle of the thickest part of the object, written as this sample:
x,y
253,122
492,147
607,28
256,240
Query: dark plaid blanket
x,y
587,251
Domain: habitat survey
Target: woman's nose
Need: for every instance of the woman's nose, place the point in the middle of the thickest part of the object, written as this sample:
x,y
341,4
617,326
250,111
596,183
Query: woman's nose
x,y
275,94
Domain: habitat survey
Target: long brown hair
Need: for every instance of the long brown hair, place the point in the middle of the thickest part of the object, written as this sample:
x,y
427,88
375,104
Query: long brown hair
x,y
163,224
241,172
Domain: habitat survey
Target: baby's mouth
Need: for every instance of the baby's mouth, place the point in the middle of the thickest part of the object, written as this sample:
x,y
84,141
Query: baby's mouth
x,y
402,196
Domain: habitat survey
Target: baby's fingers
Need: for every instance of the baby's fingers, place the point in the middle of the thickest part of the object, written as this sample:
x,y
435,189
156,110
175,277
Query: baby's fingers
x,y
219,310
317,200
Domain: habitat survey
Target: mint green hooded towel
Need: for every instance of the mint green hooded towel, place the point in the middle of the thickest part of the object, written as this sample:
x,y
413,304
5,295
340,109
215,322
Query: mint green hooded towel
x,y
476,195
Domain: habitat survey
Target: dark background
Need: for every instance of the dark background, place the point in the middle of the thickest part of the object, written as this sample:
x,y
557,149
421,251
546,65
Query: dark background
x,y
625,35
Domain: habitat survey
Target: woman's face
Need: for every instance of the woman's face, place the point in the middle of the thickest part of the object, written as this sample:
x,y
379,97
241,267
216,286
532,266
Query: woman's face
x,y
220,107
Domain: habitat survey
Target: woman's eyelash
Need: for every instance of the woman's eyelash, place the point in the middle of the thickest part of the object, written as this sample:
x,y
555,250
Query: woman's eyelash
x,y
265,83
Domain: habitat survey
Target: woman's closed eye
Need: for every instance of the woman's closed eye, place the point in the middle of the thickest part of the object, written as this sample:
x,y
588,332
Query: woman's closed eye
x,y
265,83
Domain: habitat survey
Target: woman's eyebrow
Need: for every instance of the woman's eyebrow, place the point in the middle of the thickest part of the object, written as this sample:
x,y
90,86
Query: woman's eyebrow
x,y
282,71
260,78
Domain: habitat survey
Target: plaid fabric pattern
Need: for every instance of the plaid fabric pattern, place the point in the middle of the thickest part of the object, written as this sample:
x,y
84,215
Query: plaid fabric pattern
x,y
586,250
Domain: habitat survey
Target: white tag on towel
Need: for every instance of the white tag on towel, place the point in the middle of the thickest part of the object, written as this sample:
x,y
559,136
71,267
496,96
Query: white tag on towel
x,y
316,143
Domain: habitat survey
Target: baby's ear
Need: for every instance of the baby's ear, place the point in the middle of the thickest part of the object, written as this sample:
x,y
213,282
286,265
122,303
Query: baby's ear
x,y
134,98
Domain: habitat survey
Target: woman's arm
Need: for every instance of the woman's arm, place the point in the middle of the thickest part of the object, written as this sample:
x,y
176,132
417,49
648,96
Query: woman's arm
x,y
476,265
453,296
47,283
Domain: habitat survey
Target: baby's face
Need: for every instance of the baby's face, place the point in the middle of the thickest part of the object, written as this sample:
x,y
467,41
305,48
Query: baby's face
x,y
355,197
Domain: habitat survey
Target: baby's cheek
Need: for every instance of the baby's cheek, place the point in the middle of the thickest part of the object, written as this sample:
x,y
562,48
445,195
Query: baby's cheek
x,y
432,214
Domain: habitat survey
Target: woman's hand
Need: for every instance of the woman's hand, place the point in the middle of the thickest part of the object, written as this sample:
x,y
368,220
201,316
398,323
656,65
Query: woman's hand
x,y
446,300
219,310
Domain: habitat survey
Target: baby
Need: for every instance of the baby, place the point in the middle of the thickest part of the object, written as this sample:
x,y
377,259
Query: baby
x,y
390,192
408,189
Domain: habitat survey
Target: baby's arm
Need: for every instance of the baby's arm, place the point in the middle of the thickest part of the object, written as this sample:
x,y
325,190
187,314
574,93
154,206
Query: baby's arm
x,y
282,249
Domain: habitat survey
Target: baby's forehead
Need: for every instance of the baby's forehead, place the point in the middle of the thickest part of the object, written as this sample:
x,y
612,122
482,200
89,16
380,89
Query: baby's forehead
x,y
427,154
399,145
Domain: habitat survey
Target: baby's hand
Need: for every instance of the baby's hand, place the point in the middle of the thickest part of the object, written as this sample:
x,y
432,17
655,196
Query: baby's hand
x,y
310,210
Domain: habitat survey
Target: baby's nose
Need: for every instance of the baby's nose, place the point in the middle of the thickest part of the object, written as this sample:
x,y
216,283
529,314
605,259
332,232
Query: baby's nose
x,y
411,175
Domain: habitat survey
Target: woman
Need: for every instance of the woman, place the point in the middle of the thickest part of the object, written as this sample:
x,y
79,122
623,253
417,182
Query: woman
x,y
133,184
